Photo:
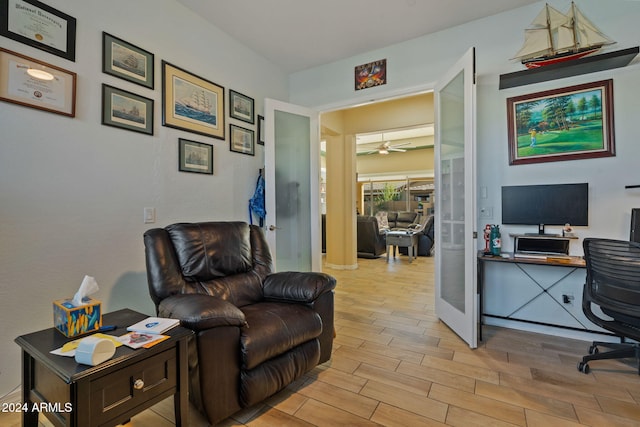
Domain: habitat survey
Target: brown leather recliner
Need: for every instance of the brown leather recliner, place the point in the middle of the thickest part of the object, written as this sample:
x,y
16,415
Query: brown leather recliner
x,y
256,331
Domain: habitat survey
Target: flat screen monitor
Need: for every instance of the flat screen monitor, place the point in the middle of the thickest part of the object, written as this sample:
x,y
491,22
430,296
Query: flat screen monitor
x,y
552,204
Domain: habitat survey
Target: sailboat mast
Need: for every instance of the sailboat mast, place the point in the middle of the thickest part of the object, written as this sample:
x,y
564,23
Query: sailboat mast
x,y
549,34
574,25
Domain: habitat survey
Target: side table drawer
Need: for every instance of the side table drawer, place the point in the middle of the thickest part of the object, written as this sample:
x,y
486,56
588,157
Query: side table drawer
x,y
125,390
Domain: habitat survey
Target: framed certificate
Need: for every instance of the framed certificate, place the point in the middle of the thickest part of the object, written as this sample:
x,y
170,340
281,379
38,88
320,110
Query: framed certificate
x,y
36,84
36,24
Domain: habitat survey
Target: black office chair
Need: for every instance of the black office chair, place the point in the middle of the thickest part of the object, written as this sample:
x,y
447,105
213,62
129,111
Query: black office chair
x,y
613,283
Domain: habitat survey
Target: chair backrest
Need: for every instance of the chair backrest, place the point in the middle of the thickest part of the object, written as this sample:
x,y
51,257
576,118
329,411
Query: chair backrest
x,y
225,259
613,275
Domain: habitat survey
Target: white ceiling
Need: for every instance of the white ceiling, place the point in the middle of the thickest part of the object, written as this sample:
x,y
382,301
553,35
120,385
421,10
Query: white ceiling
x,y
301,34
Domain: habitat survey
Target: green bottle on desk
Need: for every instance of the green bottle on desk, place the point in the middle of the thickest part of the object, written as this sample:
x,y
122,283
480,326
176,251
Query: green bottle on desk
x,y
495,240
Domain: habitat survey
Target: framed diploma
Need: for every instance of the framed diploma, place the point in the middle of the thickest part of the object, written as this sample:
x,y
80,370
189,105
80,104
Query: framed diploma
x,y
36,84
36,24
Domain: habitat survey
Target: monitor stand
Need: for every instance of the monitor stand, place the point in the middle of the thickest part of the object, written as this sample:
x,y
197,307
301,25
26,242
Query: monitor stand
x,y
541,232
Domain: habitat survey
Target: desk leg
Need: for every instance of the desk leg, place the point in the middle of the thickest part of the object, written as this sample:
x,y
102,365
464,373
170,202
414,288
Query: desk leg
x,y
480,284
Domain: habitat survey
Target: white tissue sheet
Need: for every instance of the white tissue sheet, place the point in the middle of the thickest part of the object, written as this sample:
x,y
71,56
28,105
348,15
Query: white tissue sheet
x,y
87,287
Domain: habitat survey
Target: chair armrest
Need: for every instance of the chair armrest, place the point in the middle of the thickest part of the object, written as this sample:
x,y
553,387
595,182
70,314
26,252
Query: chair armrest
x,y
297,286
199,311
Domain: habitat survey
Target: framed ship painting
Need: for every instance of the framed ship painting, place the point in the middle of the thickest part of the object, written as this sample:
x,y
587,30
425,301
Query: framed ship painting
x,y
191,103
195,157
570,123
126,110
126,61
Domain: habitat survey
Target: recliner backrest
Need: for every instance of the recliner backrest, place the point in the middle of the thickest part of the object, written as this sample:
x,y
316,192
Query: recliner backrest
x,y
229,260
207,251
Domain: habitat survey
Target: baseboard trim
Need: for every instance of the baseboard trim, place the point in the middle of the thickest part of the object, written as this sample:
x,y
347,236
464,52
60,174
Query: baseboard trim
x,y
341,267
14,396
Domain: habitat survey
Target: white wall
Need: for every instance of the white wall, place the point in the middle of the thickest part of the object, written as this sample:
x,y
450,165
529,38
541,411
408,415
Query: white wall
x,y
420,62
72,191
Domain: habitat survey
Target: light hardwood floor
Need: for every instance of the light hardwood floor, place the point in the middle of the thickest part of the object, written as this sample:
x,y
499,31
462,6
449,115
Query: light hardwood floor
x,y
396,364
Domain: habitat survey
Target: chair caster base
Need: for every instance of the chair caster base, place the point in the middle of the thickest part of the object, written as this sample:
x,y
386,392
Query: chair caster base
x,y
583,367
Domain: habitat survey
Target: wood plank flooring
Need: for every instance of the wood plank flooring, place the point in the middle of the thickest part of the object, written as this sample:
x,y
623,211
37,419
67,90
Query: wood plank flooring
x,y
396,364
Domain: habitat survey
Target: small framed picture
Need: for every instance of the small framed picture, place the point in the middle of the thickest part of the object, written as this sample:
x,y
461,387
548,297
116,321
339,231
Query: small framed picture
x,y
241,140
126,61
195,157
371,74
241,107
126,110
261,130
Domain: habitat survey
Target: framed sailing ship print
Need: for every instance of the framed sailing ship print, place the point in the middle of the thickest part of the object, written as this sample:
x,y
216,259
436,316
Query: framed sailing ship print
x,y
126,61
570,123
126,110
195,157
191,103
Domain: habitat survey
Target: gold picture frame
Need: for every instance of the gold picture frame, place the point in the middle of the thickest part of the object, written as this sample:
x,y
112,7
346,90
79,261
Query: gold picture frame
x,y
192,103
53,90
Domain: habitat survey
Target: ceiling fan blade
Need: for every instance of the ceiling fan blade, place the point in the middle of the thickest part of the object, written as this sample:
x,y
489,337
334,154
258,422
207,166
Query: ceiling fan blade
x,y
399,145
396,149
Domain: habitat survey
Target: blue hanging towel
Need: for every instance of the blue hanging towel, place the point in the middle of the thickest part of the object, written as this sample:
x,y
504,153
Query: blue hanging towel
x,y
256,203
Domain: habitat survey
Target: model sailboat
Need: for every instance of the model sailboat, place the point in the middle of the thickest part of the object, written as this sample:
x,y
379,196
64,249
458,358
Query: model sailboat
x,y
556,37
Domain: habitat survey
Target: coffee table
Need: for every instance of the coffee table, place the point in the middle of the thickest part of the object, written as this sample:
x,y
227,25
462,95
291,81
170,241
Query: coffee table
x,y
407,239
71,394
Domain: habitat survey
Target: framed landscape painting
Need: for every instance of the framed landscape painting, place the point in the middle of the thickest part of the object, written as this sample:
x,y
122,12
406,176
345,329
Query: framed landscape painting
x,y
562,124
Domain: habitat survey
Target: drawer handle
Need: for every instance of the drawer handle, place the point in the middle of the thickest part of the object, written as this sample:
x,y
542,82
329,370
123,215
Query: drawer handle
x,y
138,385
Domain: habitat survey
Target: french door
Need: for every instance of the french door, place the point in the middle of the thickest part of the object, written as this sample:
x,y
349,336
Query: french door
x,y
292,186
455,177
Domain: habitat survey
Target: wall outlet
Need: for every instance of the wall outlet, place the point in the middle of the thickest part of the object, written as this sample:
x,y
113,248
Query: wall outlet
x,y
486,212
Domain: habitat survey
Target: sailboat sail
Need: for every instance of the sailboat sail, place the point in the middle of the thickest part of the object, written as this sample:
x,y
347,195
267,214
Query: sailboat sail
x,y
554,34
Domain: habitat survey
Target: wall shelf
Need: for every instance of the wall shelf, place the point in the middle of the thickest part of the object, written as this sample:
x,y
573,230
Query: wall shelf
x,y
589,64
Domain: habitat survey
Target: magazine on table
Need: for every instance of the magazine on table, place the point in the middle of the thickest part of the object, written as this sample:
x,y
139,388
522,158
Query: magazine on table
x,y
154,325
141,339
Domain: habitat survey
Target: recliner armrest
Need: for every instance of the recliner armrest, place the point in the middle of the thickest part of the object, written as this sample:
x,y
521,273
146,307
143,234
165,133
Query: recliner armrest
x,y
199,311
292,286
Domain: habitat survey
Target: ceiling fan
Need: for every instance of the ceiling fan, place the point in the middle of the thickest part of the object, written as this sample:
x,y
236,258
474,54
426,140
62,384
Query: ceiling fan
x,y
387,147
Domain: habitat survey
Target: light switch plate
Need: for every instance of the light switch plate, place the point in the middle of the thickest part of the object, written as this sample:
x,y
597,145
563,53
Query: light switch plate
x,y
149,215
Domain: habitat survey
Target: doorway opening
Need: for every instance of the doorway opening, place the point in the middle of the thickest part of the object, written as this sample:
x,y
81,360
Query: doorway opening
x,y
384,160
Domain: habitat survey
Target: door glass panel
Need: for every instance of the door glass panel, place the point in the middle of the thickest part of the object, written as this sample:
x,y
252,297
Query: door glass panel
x,y
293,202
453,192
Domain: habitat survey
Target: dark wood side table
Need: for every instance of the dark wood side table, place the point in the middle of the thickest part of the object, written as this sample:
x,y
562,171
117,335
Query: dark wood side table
x,y
71,394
